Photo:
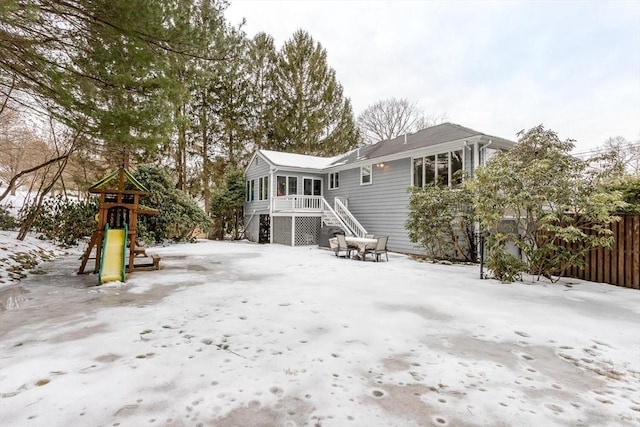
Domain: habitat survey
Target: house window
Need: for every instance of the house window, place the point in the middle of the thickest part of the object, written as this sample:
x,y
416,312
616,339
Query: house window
x,y
365,175
263,188
281,185
286,185
429,170
334,179
418,171
293,185
456,167
442,168
442,171
312,187
250,190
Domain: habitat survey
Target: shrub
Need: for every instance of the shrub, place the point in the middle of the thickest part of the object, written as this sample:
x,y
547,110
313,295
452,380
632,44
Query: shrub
x,y
551,197
66,220
179,215
629,187
504,266
441,222
7,221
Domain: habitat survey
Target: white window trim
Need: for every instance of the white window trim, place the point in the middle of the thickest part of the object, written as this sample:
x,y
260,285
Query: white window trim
x,y
331,184
251,193
436,173
287,177
370,166
263,188
313,179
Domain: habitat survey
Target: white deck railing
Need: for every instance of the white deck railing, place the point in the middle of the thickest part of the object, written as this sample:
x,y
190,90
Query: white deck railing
x,y
298,203
338,215
348,218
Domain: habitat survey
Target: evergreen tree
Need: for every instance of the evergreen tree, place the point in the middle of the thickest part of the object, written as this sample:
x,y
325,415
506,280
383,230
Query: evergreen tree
x,y
102,67
261,67
312,116
218,110
227,204
131,108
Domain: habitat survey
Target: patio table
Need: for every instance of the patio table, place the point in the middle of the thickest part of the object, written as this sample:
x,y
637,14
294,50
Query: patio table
x,y
363,243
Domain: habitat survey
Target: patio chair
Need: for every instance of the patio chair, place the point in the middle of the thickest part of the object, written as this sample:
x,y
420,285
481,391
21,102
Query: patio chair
x,y
344,247
381,248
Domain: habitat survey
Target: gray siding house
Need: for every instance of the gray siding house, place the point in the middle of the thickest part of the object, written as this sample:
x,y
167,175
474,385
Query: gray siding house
x,y
290,197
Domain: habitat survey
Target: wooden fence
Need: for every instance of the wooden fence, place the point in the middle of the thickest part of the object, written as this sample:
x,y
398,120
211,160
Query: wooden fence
x,y
620,265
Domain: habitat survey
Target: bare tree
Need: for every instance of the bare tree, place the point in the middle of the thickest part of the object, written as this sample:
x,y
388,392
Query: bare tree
x,y
626,153
20,149
392,117
49,173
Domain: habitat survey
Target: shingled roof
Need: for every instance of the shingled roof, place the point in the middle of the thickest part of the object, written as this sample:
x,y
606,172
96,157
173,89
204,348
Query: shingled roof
x,y
435,135
439,134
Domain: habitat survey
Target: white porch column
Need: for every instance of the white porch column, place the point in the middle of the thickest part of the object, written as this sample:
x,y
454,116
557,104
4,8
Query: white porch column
x,y
272,187
476,157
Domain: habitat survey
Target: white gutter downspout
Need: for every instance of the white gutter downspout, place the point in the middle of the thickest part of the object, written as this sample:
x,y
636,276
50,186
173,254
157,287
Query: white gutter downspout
x,y
271,202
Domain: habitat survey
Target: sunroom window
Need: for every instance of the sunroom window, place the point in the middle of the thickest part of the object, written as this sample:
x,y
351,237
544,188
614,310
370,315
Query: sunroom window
x,y
286,185
440,168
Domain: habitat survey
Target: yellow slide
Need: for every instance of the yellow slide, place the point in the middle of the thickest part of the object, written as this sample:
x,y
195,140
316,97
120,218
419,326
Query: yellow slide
x,y
112,262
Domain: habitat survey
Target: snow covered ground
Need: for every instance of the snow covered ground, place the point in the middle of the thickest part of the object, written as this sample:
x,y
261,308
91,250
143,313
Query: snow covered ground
x,y
19,258
239,334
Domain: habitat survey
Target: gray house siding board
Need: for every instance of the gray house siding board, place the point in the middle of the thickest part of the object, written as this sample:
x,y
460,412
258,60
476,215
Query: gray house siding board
x,y
380,207
257,170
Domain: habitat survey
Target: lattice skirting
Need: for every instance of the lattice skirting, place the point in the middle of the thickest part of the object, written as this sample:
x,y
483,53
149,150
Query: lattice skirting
x,y
307,230
282,230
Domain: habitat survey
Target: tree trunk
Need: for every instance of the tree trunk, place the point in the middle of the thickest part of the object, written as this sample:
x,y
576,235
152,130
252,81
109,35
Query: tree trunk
x,y
42,192
12,182
206,162
181,150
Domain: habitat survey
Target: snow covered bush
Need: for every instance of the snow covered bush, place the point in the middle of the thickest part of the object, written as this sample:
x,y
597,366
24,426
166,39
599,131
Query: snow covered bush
x,y
7,221
552,198
441,222
65,221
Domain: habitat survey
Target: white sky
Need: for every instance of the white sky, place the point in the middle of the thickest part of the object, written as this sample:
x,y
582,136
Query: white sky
x,y
496,67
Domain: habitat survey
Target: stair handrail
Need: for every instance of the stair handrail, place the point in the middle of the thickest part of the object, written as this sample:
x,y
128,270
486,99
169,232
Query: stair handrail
x,y
347,217
326,207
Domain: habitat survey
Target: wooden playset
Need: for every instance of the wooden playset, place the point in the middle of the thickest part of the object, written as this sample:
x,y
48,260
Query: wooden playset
x,y
116,228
